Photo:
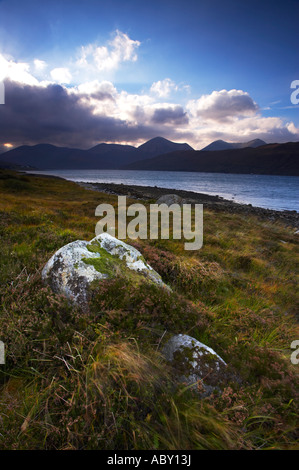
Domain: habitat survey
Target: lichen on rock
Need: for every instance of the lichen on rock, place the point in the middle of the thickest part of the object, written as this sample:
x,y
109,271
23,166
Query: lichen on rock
x,y
74,267
195,364
131,257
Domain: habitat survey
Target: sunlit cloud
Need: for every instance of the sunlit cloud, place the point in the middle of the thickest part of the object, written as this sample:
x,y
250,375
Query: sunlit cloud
x,y
223,105
39,65
16,71
109,57
269,129
163,88
61,75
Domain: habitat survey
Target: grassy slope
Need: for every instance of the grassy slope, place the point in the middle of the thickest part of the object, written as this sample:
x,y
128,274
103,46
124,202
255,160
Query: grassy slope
x,y
75,380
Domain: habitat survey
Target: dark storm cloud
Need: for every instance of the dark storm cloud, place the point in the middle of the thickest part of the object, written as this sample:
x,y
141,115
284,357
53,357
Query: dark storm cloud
x,y
35,114
101,96
170,116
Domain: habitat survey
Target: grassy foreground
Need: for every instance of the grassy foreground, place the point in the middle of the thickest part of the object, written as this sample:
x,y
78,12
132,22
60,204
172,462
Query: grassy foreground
x,y
96,380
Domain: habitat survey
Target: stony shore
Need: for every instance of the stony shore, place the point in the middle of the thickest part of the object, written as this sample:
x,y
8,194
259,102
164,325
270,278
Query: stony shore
x,y
290,218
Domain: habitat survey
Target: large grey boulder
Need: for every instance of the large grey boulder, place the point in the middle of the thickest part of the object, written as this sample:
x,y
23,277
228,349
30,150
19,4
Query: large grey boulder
x,y
195,364
170,199
73,268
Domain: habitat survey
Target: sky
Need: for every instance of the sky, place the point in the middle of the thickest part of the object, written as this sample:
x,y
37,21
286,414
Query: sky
x,y
79,73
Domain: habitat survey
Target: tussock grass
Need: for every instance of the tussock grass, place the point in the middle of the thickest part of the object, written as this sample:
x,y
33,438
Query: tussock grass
x,y
96,380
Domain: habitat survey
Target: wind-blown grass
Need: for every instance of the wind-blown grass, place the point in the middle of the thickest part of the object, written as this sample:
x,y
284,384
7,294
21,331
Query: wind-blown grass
x,y
97,380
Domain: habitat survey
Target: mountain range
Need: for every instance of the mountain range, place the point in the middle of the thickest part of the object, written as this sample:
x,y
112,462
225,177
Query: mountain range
x,y
269,159
163,155
102,156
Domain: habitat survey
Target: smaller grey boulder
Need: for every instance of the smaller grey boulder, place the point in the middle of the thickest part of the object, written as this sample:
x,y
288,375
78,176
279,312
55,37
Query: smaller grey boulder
x,y
195,364
170,199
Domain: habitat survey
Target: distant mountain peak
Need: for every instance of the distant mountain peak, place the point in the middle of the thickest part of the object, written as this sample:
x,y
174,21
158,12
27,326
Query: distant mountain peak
x,y
223,145
162,140
160,145
256,143
157,139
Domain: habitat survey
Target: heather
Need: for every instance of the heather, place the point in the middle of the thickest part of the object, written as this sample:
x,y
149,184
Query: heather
x,y
96,379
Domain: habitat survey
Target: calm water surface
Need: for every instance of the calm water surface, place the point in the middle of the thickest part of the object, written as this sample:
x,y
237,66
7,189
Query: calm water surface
x,y
268,191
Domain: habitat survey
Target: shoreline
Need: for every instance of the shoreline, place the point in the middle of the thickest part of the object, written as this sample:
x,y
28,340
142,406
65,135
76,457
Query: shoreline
x,y
217,203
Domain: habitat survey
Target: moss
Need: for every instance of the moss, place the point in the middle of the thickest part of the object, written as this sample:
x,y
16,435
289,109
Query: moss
x,y
111,265
95,247
102,265
106,264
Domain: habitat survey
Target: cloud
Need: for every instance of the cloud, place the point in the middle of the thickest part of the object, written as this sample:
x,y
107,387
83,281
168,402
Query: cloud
x,y
93,58
163,88
223,105
39,65
96,111
54,114
105,58
17,71
171,115
235,117
61,75
98,91
269,129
